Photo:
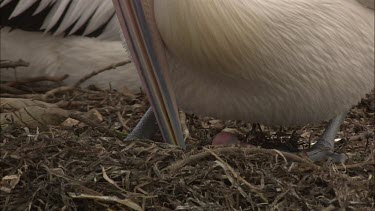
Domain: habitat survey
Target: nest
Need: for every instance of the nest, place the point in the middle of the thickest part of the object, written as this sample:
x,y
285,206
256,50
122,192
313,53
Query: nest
x,y
84,164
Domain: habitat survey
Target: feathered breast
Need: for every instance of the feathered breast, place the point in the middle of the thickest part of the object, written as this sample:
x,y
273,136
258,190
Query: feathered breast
x,y
275,61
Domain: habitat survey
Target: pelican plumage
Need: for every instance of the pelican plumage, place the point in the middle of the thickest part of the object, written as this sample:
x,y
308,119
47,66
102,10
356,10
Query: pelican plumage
x,y
287,62
60,37
277,62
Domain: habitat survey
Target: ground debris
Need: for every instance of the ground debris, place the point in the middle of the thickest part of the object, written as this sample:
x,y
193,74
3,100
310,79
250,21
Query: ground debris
x,y
89,167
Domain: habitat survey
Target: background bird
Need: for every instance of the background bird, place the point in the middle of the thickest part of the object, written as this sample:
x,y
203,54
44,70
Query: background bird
x,y
71,37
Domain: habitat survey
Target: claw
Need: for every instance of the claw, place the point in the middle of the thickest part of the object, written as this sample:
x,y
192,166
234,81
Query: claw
x,y
321,154
323,149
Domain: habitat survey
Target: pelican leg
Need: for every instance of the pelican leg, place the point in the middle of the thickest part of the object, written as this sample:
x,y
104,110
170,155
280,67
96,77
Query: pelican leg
x,y
323,149
146,127
139,28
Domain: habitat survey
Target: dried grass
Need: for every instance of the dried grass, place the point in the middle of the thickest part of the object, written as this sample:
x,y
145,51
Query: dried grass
x,y
83,168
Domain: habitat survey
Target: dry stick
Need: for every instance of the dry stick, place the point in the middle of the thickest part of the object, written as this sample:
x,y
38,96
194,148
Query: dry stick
x,y
360,136
11,90
122,121
94,73
75,103
127,202
38,79
97,126
27,96
55,91
83,79
184,127
195,158
237,176
13,64
356,165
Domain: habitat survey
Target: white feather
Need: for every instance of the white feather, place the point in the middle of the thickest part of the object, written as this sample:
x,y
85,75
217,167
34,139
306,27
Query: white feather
x,y
111,31
21,7
72,15
42,5
90,8
76,13
102,14
5,2
76,56
54,16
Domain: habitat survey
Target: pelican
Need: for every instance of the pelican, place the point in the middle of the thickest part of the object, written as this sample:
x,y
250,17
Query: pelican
x,y
275,62
58,37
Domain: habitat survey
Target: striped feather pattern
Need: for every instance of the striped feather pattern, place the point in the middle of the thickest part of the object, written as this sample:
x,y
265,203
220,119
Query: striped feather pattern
x,y
93,18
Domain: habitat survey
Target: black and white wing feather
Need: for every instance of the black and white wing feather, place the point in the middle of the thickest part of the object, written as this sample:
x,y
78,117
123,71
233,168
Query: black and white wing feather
x,y
93,18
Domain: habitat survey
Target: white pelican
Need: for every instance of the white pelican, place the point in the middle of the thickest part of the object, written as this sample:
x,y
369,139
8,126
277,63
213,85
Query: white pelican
x,y
61,37
276,62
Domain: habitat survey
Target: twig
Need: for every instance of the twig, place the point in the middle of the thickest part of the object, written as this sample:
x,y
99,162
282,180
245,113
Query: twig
x,y
13,64
38,79
83,79
122,121
184,127
28,96
195,158
74,103
94,73
52,92
356,165
63,89
360,137
127,202
8,89
237,176
277,199
102,129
